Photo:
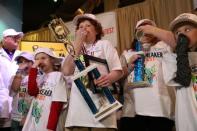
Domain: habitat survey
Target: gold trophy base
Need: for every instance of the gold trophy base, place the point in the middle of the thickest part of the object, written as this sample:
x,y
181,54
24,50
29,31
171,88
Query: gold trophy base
x,y
139,84
107,110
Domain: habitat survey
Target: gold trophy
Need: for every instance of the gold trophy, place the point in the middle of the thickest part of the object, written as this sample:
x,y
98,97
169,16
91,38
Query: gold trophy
x,y
106,104
60,32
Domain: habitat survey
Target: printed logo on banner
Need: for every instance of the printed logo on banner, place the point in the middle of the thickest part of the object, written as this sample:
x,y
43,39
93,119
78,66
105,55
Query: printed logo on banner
x,y
31,46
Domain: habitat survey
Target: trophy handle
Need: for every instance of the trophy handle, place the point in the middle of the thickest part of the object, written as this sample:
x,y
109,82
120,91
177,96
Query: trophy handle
x,y
60,32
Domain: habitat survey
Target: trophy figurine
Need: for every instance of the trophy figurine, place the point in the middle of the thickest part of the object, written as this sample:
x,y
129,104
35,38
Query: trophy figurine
x,y
106,104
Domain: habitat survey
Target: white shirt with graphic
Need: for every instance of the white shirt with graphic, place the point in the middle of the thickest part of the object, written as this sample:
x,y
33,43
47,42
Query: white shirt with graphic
x,y
52,88
157,100
79,113
21,101
186,102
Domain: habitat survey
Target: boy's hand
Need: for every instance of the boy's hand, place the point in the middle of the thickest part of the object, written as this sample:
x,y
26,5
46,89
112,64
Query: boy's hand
x,y
103,81
36,64
132,60
182,44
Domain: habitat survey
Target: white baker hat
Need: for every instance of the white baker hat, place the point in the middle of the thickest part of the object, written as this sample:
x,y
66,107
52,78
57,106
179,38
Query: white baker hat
x,y
27,55
12,32
185,17
48,52
143,21
88,16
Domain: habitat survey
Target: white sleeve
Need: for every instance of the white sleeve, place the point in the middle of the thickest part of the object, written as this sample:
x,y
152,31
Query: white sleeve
x,y
60,90
169,68
5,100
112,57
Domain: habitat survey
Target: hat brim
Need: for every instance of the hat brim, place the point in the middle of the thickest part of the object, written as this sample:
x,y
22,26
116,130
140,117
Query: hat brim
x,y
174,24
145,21
20,34
57,59
76,19
18,57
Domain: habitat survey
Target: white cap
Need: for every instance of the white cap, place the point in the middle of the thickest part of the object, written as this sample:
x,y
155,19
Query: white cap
x,y
48,52
11,32
88,16
144,21
185,17
27,55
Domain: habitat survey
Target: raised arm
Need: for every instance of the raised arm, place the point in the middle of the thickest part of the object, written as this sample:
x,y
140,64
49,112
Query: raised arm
x,y
33,89
161,34
68,65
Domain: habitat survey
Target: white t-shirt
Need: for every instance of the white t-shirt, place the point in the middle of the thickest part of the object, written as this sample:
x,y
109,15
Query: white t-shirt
x,y
79,113
52,88
157,100
186,103
186,109
21,101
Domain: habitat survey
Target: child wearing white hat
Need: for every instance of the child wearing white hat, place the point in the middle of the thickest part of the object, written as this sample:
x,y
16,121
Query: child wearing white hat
x,y
49,91
88,41
184,28
18,90
151,107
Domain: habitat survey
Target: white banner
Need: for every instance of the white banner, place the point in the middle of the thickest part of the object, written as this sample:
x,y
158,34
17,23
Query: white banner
x,y
108,22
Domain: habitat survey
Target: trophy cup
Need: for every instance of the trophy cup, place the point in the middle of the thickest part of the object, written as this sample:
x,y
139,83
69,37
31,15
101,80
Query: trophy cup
x,y
107,103
138,79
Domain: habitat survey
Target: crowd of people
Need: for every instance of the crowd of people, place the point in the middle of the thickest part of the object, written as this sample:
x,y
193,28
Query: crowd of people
x,y
36,95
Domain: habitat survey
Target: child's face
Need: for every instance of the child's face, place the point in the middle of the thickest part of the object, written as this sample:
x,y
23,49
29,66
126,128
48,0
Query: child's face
x,y
191,32
45,62
89,29
24,63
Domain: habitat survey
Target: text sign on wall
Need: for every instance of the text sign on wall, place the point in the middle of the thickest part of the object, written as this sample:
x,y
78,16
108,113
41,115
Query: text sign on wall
x,y
58,48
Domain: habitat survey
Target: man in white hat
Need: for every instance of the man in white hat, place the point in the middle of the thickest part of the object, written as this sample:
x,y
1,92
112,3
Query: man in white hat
x,y
8,67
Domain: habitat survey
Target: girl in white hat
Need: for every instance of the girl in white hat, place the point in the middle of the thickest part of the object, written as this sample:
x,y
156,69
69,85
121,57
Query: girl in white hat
x,y
49,90
18,90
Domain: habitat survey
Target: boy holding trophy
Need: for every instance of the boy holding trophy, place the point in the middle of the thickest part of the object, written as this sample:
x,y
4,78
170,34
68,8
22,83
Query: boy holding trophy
x,y
88,41
152,104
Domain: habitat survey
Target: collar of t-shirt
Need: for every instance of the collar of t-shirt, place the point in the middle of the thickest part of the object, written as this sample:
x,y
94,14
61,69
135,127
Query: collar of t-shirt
x,y
10,53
